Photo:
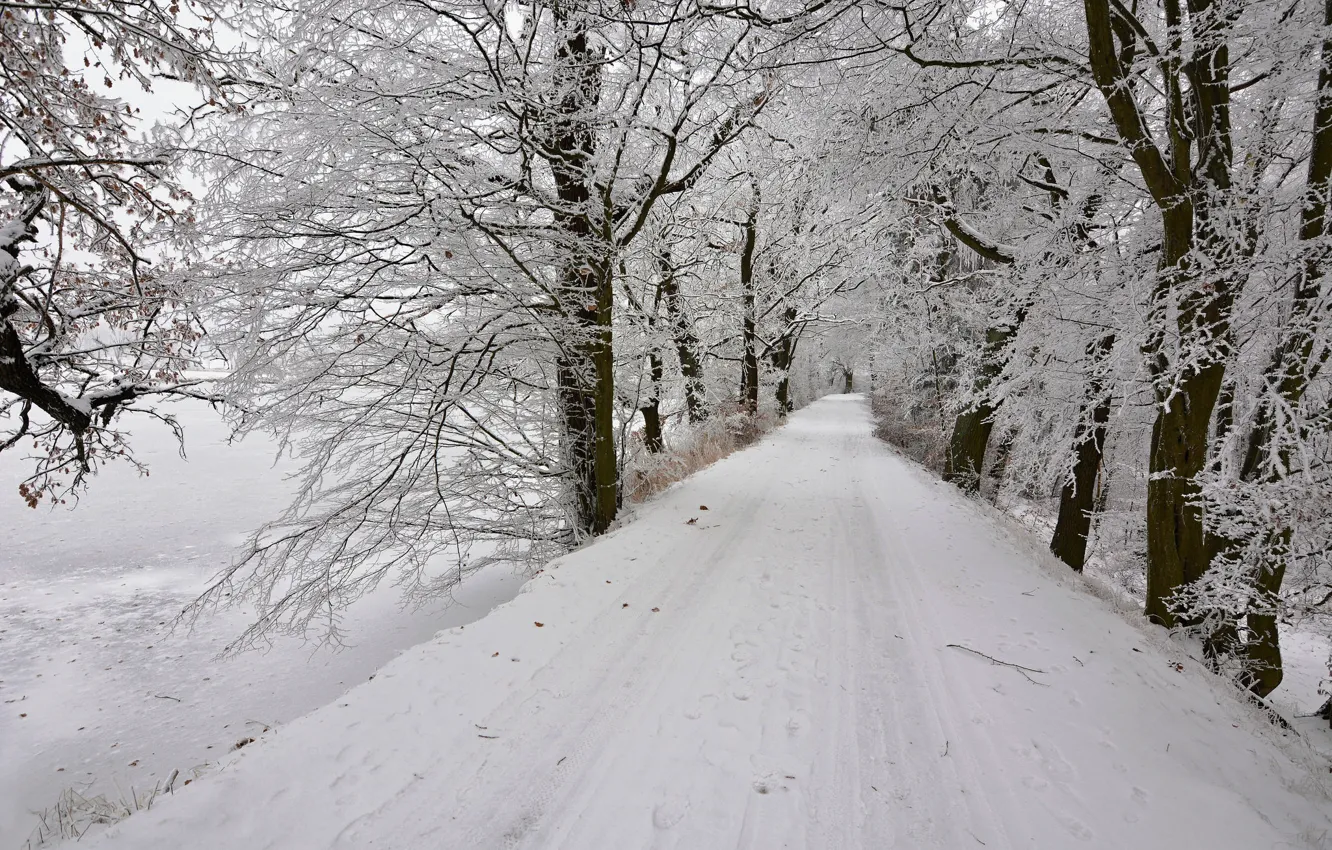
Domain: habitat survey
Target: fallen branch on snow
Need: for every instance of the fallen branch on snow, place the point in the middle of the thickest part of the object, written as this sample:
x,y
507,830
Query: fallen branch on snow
x,y
1018,667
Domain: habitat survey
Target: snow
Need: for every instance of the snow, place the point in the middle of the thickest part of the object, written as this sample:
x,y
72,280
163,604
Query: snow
x,y
96,694
11,232
775,671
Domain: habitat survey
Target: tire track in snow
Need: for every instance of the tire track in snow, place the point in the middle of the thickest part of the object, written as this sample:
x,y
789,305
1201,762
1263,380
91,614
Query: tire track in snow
x,y
623,679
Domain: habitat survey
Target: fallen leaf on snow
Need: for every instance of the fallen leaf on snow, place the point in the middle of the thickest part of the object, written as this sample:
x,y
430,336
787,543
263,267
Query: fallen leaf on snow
x,y
539,625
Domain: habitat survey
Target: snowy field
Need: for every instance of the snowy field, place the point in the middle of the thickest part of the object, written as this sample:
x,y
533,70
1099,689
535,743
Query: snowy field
x,y
839,652
97,696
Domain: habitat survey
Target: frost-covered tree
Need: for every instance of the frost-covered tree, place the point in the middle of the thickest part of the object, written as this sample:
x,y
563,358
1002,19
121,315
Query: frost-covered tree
x,y
426,245
95,318
1147,185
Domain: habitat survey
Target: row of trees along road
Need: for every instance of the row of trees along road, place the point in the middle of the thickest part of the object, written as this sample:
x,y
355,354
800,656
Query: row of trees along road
x,y
472,260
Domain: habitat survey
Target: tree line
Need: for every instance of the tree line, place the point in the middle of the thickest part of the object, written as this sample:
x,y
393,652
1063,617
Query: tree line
x,y
469,259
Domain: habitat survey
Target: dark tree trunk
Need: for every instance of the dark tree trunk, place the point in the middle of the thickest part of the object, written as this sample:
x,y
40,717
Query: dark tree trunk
x,y
784,402
686,344
749,373
585,368
1077,498
652,438
965,458
967,446
783,355
1177,551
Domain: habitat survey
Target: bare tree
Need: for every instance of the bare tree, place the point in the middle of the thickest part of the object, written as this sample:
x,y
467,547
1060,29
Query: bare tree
x,y
95,319
420,266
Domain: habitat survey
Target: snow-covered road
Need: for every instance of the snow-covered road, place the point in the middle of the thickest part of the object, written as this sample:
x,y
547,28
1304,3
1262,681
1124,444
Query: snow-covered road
x,y
797,666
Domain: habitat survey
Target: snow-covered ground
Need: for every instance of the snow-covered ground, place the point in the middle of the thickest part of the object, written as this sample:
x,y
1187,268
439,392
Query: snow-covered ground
x,y
837,652
96,695
1306,655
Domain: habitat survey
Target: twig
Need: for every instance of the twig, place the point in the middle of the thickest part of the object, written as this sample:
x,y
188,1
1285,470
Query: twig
x,y
491,737
1018,667
1274,717
166,696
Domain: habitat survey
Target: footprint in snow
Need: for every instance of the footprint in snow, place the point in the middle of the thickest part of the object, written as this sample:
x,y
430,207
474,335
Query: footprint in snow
x,y
705,703
1075,827
669,812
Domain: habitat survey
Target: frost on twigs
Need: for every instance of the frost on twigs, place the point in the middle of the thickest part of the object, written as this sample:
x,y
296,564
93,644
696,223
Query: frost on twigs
x,y
99,314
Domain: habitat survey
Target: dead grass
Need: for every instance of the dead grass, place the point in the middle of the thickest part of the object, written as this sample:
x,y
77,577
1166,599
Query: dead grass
x,y
74,814
911,431
693,448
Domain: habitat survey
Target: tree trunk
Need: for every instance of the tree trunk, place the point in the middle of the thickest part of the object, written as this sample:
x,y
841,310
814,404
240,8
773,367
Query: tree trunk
x,y
1003,452
965,458
749,373
967,446
1178,552
783,356
605,460
1176,549
686,344
784,403
1264,670
652,438
1077,497
585,365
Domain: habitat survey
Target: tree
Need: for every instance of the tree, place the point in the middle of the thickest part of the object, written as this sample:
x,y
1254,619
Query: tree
x,y
425,300
1185,218
95,318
